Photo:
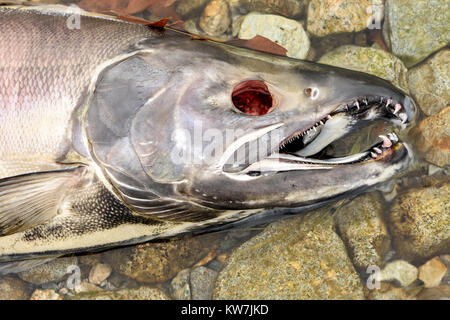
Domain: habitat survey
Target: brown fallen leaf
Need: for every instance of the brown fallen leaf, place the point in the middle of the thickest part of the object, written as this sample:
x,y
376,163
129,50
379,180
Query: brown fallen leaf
x,y
156,24
260,43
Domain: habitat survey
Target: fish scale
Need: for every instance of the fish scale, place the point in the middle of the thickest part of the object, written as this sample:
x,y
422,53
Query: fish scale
x,y
49,74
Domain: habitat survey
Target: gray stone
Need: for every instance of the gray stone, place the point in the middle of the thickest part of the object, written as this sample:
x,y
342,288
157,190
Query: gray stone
x,y
202,283
99,273
429,83
287,8
337,16
141,293
370,60
415,29
399,271
159,261
180,286
361,226
419,222
52,271
298,258
285,32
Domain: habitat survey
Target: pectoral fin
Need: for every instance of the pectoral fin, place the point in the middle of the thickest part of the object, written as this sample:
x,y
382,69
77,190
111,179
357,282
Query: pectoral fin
x,y
31,199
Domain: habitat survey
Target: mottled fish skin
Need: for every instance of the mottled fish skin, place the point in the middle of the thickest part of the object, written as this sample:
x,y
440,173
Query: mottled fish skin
x,y
42,82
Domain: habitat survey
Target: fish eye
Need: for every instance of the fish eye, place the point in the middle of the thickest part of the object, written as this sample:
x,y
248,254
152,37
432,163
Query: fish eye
x,y
252,97
312,93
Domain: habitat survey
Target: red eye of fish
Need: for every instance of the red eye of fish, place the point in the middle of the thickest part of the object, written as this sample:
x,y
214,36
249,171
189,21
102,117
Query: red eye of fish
x,y
252,97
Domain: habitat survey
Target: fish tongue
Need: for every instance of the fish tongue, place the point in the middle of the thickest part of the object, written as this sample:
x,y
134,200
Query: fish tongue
x,y
332,130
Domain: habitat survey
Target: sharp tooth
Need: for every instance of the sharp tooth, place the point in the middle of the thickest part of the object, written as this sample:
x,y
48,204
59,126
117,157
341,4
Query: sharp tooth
x,y
388,102
378,150
397,108
365,102
403,116
386,142
393,137
357,104
374,155
321,122
329,117
315,130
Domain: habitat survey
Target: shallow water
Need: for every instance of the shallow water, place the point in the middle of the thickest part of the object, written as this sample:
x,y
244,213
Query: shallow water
x,y
204,264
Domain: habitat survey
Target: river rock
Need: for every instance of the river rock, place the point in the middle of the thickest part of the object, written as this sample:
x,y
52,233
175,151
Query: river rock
x,y
361,226
285,32
419,222
215,18
370,60
415,29
297,258
202,283
337,16
437,293
180,285
429,83
49,294
141,293
432,138
387,291
12,288
53,271
159,261
287,8
188,7
399,271
99,273
432,272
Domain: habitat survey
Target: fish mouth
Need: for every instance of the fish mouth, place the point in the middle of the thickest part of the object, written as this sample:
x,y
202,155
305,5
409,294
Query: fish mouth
x,y
303,148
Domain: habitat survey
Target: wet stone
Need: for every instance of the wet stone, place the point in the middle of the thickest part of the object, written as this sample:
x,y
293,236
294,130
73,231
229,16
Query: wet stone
x,y
12,288
400,272
337,16
437,293
215,19
202,283
141,293
180,285
285,32
432,272
432,138
370,60
160,261
39,294
189,7
287,8
414,33
99,273
387,291
429,83
419,222
361,226
52,271
297,258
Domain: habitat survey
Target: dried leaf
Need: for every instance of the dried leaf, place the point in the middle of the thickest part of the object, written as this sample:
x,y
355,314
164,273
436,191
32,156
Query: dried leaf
x,y
260,43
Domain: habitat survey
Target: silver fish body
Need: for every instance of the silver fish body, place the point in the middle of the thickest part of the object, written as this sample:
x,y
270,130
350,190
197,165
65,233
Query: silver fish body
x,y
115,133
